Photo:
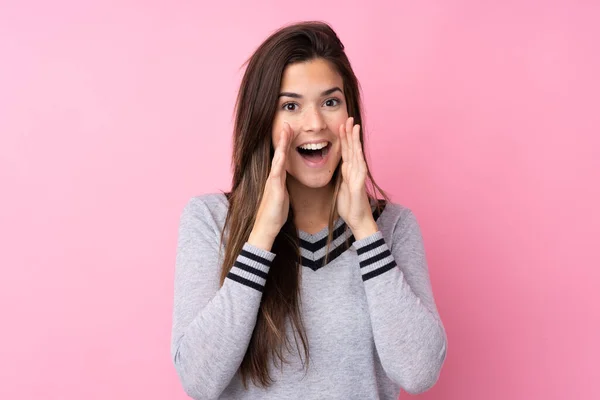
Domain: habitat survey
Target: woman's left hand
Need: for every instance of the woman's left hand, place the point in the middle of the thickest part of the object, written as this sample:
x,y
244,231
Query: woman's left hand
x,y
352,202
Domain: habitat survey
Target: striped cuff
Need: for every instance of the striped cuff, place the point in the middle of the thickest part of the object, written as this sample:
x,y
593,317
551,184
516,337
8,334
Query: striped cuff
x,y
251,267
374,256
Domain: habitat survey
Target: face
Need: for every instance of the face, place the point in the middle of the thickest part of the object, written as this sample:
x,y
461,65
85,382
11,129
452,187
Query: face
x,y
313,103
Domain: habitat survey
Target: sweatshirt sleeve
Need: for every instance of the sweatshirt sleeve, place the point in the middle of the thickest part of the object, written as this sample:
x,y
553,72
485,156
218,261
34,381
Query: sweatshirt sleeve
x,y
212,325
408,332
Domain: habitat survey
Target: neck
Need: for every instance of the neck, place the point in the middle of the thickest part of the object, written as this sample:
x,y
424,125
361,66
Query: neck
x,y
311,205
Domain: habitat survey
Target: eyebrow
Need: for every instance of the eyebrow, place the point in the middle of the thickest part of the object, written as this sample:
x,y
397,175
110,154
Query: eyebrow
x,y
299,96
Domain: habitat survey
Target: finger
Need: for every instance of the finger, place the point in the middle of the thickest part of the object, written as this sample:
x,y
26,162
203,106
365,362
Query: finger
x,y
276,165
343,140
356,143
286,143
349,123
289,136
279,156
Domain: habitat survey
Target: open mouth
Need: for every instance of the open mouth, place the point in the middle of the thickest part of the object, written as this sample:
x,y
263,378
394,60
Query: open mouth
x,y
314,152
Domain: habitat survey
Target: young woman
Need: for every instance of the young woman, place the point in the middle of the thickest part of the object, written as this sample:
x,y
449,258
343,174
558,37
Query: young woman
x,y
300,283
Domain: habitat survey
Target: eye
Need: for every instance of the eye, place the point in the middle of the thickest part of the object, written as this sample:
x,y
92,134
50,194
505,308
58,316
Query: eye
x,y
332,102
289,106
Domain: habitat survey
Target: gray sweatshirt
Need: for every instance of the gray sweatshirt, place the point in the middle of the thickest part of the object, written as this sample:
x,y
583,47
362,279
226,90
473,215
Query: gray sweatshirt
x,y
370,317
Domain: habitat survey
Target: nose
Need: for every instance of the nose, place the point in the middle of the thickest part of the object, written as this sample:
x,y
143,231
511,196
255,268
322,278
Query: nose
x,y
313,121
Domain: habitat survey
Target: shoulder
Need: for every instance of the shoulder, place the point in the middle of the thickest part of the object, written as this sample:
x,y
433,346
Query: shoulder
x,y
398,220
213,203
207,210
395,213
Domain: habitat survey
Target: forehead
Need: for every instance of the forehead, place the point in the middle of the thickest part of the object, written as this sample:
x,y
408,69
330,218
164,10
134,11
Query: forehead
x,y
304,77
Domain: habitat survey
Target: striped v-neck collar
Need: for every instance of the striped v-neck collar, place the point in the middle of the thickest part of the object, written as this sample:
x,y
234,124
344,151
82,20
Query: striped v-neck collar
x,y
313,247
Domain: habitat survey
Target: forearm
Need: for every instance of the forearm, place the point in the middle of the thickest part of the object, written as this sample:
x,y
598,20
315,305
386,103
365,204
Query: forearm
x,y
209,350
409,336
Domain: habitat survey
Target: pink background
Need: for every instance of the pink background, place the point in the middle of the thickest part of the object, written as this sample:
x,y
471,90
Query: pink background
x,y
483,117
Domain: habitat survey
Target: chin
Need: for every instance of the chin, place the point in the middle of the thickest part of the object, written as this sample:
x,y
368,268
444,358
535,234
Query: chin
x,y
313,177
316,181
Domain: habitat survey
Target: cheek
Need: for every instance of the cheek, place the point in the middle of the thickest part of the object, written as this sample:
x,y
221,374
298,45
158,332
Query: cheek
x,y
275,137
278,125
336,120
276,132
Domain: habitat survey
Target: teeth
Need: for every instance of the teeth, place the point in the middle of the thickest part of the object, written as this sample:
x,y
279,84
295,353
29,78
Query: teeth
x,y
313,146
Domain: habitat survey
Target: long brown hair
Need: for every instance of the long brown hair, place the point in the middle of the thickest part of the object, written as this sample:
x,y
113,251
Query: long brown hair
x,y
256,106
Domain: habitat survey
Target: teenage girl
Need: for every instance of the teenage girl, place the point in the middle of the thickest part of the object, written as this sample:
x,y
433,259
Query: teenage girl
x,y
302,282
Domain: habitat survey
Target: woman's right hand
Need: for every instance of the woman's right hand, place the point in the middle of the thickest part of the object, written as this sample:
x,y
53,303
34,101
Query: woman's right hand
x,y
274,206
